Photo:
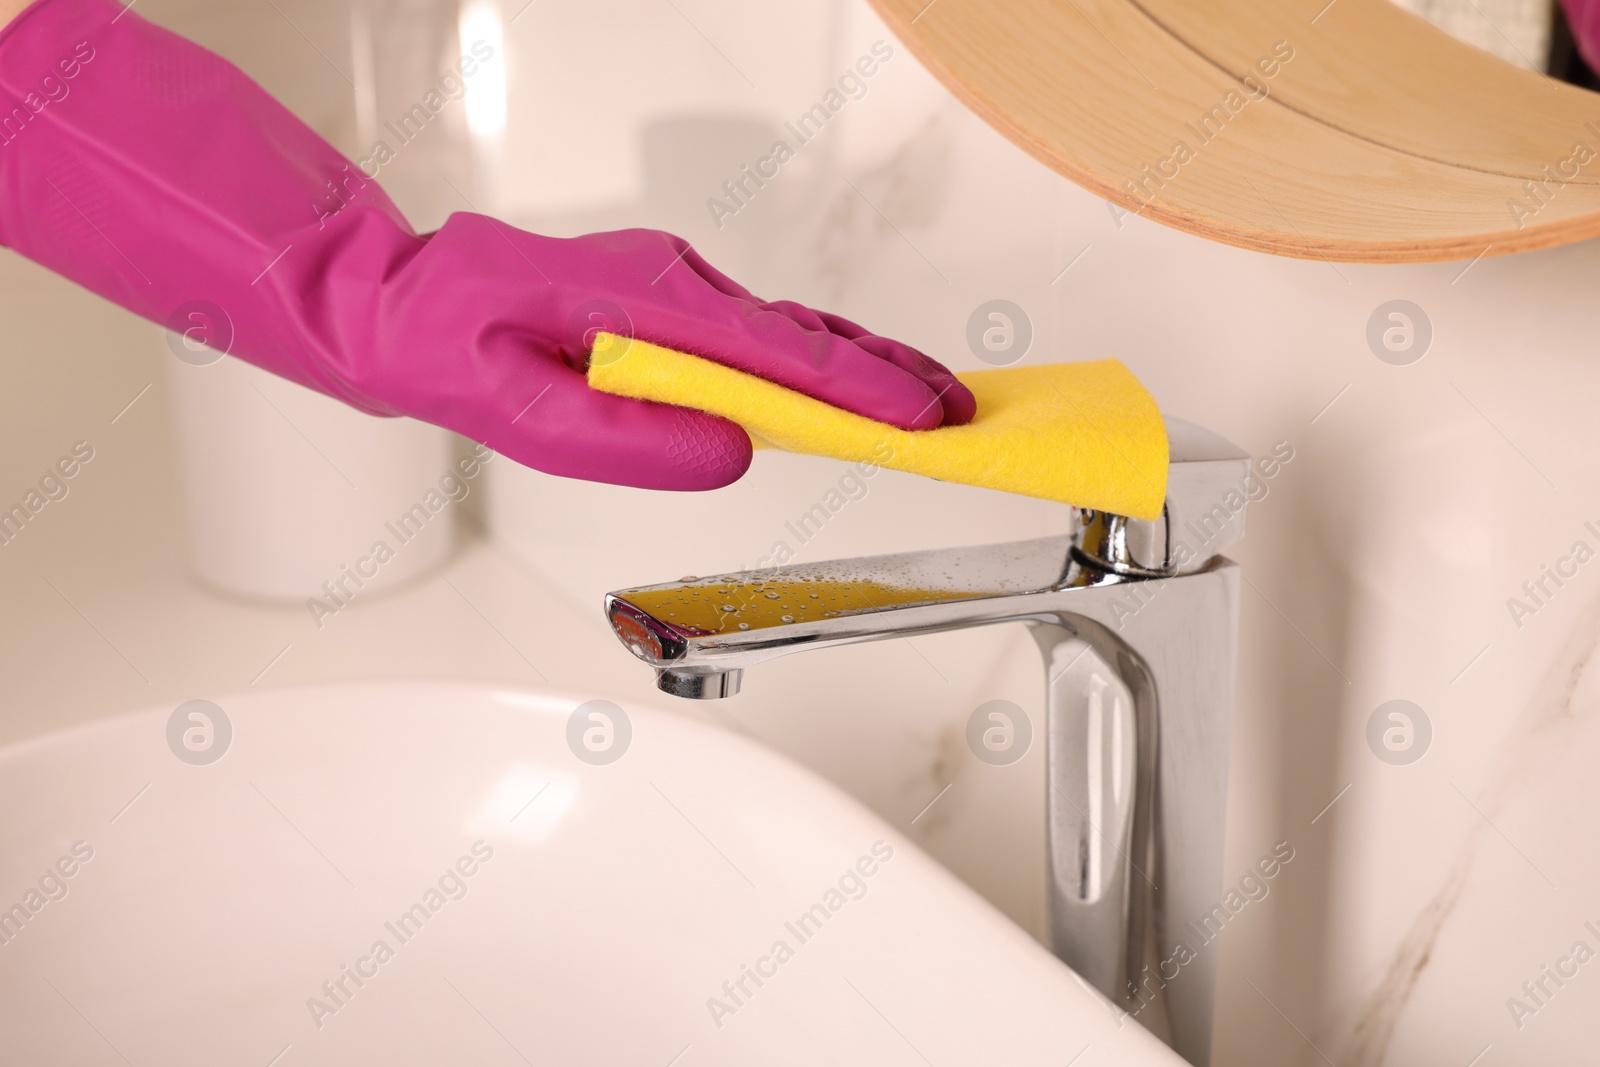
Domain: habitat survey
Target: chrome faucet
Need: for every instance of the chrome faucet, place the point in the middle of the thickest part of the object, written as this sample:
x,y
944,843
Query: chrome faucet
x,y
1136,742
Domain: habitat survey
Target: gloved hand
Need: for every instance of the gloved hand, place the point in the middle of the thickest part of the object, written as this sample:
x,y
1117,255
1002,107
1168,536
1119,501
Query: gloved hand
x,y
1583,19
158,175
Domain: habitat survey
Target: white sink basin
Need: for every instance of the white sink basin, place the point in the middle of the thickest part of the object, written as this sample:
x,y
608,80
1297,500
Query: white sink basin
x,y
607,905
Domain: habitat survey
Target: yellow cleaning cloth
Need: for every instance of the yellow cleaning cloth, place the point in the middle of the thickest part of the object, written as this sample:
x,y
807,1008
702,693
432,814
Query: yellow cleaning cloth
x,y
1076,433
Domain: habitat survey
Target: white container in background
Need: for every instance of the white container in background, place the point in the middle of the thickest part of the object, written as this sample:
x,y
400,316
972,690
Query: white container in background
x,y
287,493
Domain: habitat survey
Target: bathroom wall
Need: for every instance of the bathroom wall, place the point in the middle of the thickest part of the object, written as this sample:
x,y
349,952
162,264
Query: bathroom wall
x,y
1382,562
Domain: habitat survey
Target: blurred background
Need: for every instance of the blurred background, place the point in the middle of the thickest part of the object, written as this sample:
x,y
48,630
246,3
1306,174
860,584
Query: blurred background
x,y
1421,494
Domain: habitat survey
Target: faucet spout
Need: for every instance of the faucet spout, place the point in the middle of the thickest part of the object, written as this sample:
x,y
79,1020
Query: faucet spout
x,y
1137,737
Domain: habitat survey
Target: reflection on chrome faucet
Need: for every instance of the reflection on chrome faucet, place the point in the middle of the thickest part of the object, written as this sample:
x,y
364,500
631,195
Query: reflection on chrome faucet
x,y
1136,740
1199,933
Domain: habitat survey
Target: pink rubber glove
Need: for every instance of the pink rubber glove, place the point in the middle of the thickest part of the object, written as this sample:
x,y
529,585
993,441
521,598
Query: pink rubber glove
x,y
1583,18
156,174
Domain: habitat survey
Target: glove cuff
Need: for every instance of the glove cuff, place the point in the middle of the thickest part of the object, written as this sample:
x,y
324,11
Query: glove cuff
x,y
160,176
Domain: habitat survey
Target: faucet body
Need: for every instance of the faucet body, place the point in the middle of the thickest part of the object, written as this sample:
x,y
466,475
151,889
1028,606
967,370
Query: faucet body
x,y
1137,624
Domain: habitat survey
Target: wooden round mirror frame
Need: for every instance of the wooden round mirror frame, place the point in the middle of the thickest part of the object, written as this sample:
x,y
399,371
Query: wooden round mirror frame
x,y
1346,130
